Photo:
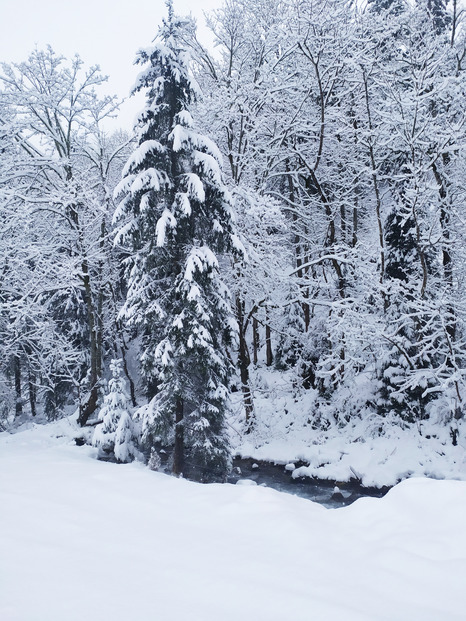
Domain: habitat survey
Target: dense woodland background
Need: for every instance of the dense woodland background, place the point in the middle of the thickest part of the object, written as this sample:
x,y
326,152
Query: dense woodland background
x,y
129,289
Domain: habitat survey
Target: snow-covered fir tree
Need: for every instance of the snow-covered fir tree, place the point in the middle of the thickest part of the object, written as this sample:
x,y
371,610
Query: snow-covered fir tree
x,y
440,16
177,220
394,6
116,431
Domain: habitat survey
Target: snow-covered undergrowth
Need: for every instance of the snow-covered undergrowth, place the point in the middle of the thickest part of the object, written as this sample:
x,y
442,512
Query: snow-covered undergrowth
x,y
374,449
83,539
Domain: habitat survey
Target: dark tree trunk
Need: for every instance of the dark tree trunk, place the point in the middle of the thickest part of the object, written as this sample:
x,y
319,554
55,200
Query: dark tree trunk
x,y
132,390
446,249
17,375
268,341
244,361
91,404
375,182
298,251
178,451
255,340
88,408
32,392
343,225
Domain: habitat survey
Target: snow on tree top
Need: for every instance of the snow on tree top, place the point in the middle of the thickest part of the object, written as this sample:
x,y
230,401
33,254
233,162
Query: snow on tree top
x,y
168,52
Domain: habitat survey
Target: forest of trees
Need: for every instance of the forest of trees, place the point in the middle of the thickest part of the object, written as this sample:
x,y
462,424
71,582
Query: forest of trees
x,y
292,198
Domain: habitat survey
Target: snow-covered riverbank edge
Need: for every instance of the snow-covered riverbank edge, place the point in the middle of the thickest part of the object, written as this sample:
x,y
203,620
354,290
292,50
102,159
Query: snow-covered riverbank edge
x,y
372,461
375,451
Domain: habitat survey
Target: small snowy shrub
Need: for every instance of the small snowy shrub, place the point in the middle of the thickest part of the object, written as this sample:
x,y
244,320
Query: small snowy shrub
x,y
116,431
154,462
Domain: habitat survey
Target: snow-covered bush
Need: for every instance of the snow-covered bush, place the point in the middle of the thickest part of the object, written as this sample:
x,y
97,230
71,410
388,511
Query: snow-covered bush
x,y
116,432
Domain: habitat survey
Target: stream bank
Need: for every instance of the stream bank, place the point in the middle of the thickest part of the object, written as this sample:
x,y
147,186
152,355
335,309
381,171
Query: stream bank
x,y
331,494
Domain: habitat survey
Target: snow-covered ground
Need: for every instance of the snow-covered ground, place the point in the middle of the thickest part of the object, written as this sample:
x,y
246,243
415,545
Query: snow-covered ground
x,y
376,450
82,540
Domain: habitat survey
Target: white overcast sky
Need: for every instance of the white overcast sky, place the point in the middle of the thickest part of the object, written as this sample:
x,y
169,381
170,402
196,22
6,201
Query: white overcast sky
x,y
103,32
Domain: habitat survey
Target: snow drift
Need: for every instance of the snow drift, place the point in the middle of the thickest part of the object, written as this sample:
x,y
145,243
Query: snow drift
x,y
82,539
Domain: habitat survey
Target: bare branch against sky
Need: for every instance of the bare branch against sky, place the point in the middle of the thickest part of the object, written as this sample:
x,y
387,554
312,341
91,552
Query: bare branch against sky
x,y
102,32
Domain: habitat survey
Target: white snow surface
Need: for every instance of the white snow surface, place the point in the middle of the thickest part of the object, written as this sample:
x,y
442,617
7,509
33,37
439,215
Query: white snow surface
x,y
82,539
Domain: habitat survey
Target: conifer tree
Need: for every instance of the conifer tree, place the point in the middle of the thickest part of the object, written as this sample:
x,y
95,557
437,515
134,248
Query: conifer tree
x,y
179,219
290,341
417,326
393,6
439,13
401,269
115,432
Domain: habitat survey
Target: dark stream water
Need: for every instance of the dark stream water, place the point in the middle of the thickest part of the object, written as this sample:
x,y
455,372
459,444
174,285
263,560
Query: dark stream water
x,y
323,492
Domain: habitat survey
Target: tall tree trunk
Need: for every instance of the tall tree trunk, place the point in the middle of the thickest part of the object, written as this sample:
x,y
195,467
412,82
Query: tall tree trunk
x,y
255,340
32,391
178,450
99,320
456,16
123,348
354,240
343,224
90,406
244,361
375,182
132,390
447,260
268,341
298,250
17,376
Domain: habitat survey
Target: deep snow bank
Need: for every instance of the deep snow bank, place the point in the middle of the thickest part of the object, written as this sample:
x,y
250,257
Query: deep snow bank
x,y
81,539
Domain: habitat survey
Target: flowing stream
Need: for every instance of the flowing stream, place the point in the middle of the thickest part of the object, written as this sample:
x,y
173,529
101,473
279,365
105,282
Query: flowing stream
x,y
328,493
